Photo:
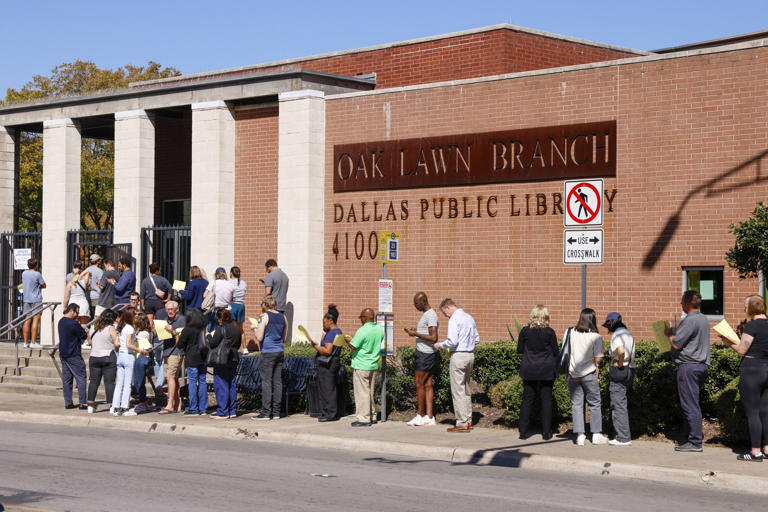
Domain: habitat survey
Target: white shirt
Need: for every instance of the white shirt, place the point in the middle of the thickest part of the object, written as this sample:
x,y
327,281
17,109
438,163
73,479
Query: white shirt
x,y
623,338
127,332
428,319
225,290
462,333
585,347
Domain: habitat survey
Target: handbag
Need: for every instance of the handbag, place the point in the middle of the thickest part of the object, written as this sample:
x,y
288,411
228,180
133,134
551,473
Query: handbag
x,y
220,355
324,360
209,299
160,293
202,344
565,354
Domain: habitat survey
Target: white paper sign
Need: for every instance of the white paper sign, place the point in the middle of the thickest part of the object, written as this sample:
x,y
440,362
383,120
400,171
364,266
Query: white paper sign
x,y
385,295
387,322
20,257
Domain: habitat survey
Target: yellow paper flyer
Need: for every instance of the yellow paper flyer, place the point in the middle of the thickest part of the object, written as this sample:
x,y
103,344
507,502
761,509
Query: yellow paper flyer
x,y
662,340
179,285
339,341
304,334
725,330
162,334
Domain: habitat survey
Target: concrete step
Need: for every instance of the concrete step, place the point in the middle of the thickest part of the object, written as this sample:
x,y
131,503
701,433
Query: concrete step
x,y
31,381
42,390
32,371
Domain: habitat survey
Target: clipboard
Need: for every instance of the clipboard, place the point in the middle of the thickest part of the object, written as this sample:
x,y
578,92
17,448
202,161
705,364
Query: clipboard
x,y
662,340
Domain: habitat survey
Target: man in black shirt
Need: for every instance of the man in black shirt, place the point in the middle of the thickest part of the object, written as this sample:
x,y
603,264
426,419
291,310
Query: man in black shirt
x,y
71,336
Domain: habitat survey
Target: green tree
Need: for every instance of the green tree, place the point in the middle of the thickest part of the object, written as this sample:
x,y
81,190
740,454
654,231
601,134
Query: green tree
x,y
97,178
749,255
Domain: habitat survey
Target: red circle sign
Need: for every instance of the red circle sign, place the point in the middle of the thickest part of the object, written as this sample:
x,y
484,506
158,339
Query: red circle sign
x,y
591,213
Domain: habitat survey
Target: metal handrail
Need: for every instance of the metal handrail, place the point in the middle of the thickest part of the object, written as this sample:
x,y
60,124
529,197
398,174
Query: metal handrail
x,y
116,307
17,322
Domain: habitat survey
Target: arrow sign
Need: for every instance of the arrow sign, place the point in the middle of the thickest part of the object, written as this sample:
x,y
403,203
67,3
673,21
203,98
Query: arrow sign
x,y
582,246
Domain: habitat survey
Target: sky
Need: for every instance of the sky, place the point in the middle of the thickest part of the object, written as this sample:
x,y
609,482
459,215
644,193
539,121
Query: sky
x,y
196,36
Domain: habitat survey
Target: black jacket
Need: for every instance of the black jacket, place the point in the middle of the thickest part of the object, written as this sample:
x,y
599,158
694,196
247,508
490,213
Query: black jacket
x,y
189,344
540,353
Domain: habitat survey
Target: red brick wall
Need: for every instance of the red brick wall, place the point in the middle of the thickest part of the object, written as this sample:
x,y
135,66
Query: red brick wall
x,y
255,197
173,160
687,131
468,56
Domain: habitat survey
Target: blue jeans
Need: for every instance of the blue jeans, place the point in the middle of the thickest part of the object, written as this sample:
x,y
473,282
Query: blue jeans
x,y
226,392
124,379
690,377
73,368
159,375
139,377
198,391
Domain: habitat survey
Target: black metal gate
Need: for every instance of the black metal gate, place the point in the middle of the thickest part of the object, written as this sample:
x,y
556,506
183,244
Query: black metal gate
x,y
10,274
81,244
170,246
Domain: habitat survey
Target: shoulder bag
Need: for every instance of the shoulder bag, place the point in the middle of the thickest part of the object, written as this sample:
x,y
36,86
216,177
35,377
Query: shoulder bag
x,y
209,299
160,293
221,354
565,354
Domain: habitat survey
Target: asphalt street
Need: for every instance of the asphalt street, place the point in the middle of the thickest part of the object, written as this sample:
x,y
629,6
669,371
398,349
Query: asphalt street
x,y
46,467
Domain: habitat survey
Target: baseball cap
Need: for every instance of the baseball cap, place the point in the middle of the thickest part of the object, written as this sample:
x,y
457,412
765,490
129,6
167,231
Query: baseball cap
x,y
612,318
95,257
220,269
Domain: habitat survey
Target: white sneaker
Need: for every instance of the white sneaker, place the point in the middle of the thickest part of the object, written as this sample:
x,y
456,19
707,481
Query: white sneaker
x,y
616,442
244,352
598,438
415,422
427,422
26,345
130,412
580,439
91,409
115,412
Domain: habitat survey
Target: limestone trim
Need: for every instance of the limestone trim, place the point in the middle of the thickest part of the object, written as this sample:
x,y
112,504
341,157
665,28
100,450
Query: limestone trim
x,y
131,114
57,123
300,95
208,105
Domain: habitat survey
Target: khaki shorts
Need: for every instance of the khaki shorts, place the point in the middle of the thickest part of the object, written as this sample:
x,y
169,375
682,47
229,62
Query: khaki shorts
x,y
172,366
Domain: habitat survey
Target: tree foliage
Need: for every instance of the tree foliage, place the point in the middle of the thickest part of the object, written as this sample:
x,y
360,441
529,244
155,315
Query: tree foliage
x,y
749,254
97,177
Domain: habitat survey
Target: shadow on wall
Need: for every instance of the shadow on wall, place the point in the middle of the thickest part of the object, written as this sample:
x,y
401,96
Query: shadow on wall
x,y
711,189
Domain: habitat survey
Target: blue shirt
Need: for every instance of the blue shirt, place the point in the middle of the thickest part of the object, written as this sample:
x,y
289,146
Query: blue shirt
x,y
193,295
71,336
31,280
125,286
273,333
329,337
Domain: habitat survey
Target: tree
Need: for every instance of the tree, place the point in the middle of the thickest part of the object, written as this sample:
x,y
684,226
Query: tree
x,y
97,177
749,255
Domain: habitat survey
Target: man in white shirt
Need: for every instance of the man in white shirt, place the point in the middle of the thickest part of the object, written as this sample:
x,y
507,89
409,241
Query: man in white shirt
x,y
425,361
462,338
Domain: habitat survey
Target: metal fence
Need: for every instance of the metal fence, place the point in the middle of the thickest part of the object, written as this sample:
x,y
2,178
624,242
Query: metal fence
x,y
82,243
170,246
10,270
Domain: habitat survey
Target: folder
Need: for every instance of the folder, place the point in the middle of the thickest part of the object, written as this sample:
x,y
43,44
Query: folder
x,y
662,340
179,285
725,330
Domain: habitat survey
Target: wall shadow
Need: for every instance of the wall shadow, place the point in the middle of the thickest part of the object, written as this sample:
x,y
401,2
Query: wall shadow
x,y
710,188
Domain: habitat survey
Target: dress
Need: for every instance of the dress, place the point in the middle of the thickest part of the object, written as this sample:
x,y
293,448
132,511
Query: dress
x,y
77,295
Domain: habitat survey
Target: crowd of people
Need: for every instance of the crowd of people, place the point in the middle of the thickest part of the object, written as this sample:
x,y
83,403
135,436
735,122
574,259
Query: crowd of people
x,y
211,334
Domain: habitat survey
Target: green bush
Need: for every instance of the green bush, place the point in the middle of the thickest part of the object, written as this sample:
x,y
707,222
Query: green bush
x,y
724,366
730,413
495,362
508,394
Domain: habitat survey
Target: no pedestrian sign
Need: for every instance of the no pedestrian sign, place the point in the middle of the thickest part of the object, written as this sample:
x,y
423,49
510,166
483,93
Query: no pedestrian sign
x,y
583,203
582,246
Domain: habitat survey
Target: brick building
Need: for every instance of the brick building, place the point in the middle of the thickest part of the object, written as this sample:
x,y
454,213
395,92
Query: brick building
x,y
306,160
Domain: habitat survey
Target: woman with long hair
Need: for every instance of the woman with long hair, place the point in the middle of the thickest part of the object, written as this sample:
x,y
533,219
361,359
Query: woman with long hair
x,y
237,307
193,294
194,360
143,328
222,290
328,363
224,376
125,361
76,292
104,341
583,377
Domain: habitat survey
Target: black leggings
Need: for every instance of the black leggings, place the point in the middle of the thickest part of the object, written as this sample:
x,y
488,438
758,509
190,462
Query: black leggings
x,y
102,366
753,387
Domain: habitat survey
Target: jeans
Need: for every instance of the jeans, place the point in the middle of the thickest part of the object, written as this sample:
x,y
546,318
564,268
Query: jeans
x,y
158,367
124,378
326,382
102,367
690,377
198,390
529,396
73,368
588,386
753,387
271,373
619,410
140,377
226,392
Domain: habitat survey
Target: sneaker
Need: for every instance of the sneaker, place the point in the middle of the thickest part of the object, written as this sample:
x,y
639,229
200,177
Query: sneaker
x,y
262,417
616,442
130,412
427,422
749,457
244,352
688,447
26,345
91,409
191,413
115,412
416,421
580,439
598,438
112,411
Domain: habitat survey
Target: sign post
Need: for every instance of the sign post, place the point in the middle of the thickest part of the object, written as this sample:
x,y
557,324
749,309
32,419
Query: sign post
x,y
389,252
583,208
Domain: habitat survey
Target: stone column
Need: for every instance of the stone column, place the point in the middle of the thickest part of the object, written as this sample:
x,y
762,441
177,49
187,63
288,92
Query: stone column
x,y
8,141
134,205
301,182
213,186
61,208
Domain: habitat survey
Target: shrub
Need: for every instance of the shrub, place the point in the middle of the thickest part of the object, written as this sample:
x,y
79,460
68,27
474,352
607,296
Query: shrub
x,y
723,368
495,362
508,394
730,413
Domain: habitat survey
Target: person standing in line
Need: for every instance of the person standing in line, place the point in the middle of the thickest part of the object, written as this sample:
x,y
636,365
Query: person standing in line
x,y
753,376
537,343
425,361
106,289
125,361
584,376
31,283
96,274
238,303
103,360
126,284
193,294
155,292
328,363
461,342
270,336
690,352
276,284
76,292
366,350
143,329
71,335
621,374
194,360
224,376
223,291
172,355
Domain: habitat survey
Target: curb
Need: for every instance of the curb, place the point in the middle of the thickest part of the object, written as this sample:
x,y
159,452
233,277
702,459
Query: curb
x,y
513,459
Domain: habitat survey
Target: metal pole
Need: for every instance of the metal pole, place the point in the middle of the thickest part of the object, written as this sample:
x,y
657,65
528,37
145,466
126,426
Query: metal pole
x,y
384,361
583,286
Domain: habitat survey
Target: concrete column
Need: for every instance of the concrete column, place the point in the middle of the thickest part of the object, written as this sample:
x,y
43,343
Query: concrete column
x,y
134,179
301,182
213,186
61,208
8,140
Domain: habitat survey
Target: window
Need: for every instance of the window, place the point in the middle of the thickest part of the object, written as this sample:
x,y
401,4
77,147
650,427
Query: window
x,y
177,212
708,281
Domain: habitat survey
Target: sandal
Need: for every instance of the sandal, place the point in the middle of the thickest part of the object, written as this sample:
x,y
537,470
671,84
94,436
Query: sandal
x,y
166,411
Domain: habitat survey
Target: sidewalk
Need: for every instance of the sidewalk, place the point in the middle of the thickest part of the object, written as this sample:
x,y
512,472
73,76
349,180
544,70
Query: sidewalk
x,y
714,468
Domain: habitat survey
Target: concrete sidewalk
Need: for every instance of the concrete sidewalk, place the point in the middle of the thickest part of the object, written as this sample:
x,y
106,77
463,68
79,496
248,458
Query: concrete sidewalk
x,y
714,468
